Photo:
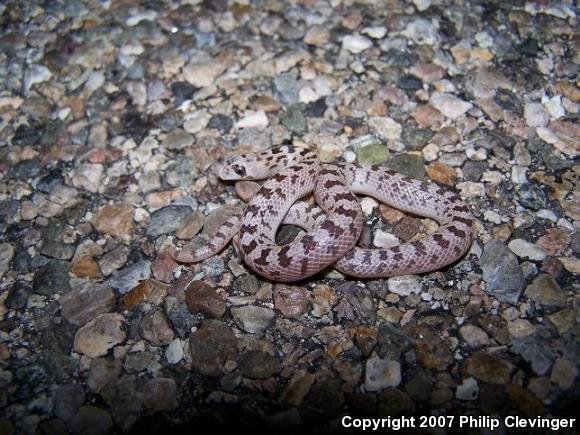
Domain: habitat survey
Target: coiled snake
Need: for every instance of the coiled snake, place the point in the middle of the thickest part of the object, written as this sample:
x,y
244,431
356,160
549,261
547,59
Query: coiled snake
x,y
335,227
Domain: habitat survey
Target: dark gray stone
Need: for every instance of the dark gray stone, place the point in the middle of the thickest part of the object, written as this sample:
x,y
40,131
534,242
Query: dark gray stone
x,y
52,278
392,342
286,89
222,122
167,219
256,364
129,277
67,401
502,272
536,350
293,119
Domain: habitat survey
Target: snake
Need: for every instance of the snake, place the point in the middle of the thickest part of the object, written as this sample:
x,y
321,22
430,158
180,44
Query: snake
x,y
333,225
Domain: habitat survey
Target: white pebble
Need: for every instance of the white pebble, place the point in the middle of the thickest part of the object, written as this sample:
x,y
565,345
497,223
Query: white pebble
x,y
322,86
422,5
493,217
307,95
174,352
386,127
349,156
375,32
478,154
356,43
554,106
253,119
421,31
368,205
449,105
404,285
547,214
524,249
519,174
385,240
430,152
535,115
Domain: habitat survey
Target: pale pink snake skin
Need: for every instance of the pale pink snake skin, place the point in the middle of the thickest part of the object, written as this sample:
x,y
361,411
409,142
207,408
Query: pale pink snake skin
x,y
332,235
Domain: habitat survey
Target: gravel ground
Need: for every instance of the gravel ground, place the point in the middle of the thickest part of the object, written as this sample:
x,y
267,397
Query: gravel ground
x,y
112,116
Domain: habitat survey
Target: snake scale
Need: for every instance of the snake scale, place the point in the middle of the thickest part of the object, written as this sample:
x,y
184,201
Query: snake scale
x,y
334,226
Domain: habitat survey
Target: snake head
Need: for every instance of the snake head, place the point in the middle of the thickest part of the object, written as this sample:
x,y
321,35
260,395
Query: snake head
x,y
244,167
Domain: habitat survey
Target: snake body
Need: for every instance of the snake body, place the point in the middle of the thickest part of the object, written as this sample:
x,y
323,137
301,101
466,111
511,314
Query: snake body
x,y
334,228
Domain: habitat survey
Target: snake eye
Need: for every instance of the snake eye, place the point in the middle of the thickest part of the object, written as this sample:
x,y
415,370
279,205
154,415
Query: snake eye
x,y
240,170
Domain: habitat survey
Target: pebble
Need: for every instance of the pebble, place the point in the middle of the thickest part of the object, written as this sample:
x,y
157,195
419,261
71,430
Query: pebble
x,y
404,285
115,220
291,301
449,105
201,297
190,226
68,398
521,328
467,390
377,32
409,165
502,272
387,128
381,374
474,336
535,115
392,342
257,364
36,74
374,154
564,373
293,119
91,420
155,328
286,89
554,107
174,352
546,291
213,346
201,73
422,32
113,260
52,278
88,176
6,256
524,249
129,277
488,368
99,335
252,319
246,190
160,394
257,119
432,350
149,291
535,351
86,301
322,300
317,36
167,219
356,43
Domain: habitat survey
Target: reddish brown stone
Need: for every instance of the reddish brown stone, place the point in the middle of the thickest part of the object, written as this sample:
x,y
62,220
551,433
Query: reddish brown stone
x,y
201,297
